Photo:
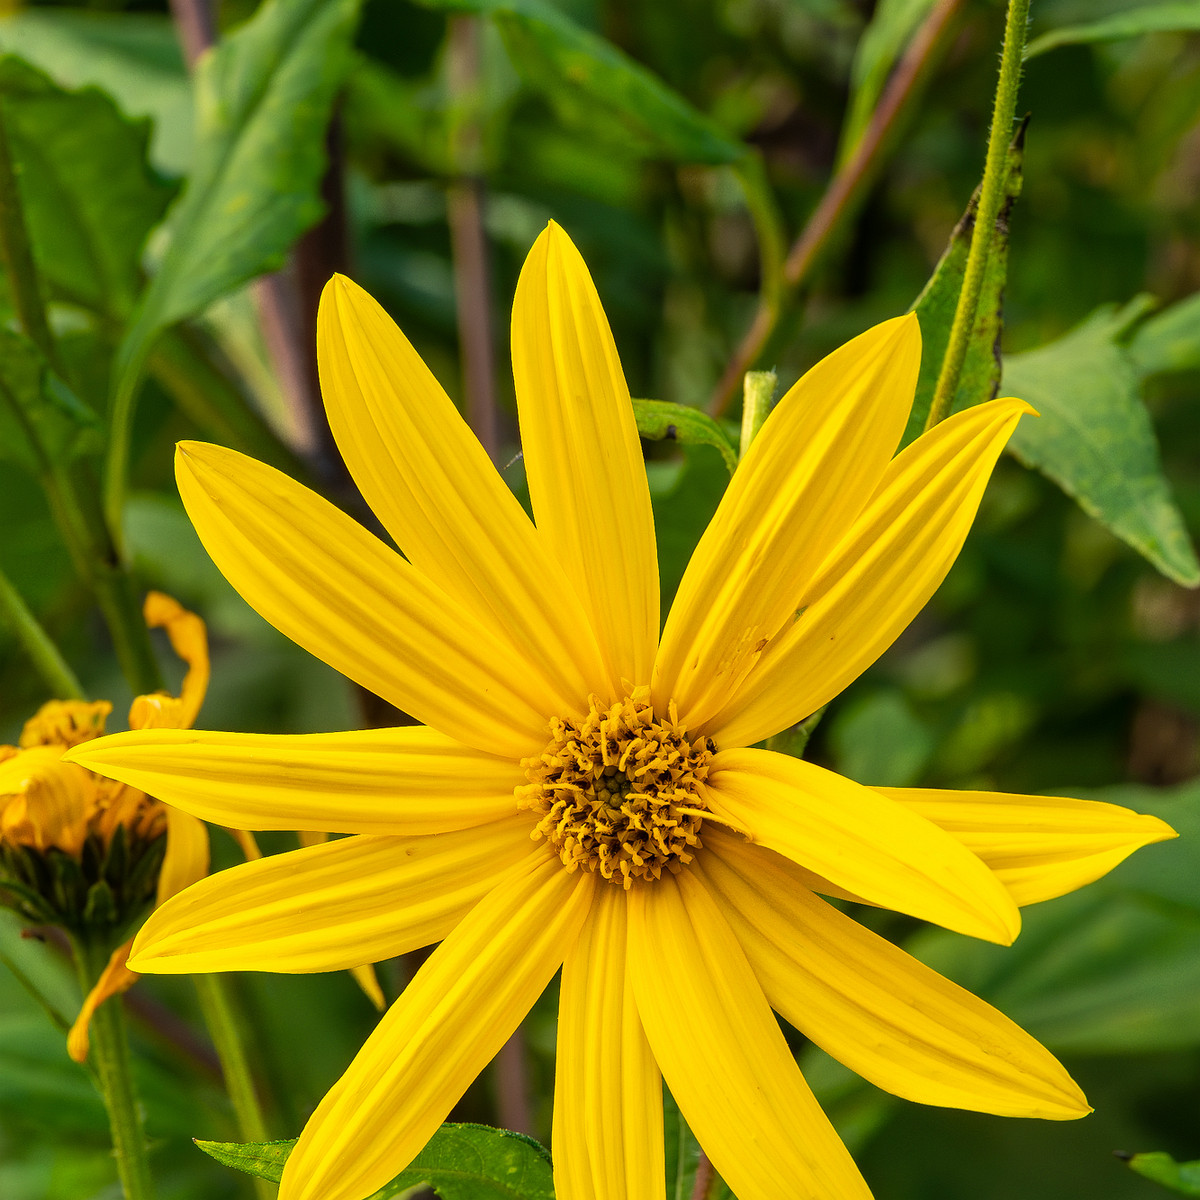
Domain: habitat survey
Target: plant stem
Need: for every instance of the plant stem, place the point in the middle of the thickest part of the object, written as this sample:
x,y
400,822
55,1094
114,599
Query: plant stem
x,y
758,394
17,252
219,1008
45,655
468,239
110,1056
704,1178
845,192
991,196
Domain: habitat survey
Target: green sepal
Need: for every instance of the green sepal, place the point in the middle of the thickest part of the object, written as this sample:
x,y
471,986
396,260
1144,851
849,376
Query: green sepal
x,y
659,420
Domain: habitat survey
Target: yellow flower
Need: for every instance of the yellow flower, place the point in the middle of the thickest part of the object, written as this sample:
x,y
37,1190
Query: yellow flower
x,y
49,806
673,869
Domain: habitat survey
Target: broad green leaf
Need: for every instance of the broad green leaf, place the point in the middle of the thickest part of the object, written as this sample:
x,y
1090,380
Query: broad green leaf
x,y
1094,437
263,99
588,79
41,420
883,41
660,419
134,57
935,306
1180,16
461,1162
1111,969
89,197
1168,340
1181,1178
881,742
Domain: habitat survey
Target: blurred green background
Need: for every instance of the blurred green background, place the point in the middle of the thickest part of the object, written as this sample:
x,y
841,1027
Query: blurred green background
x,y
1055,657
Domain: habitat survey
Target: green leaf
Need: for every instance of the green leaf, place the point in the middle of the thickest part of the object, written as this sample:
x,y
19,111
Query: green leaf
x,y
1168,340
1182,1178
134,57
659,419
1094,437
263,99
683,1157
460,1162
41,420
1181,16
263,1160
588,79
935,306
89,197
883,41
881,742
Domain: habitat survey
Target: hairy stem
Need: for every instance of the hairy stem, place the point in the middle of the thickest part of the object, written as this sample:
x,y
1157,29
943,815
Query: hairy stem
x,y
991,196
219,1008
110,1057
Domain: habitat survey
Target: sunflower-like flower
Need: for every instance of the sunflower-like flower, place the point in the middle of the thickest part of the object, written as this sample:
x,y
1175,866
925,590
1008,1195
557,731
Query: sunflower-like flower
x,y
85,852
583,793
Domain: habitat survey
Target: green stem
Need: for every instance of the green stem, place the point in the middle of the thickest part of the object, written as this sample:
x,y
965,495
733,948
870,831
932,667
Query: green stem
x,y
17,252
991,196
219,1007
45,655
110,1056
758,394
845,192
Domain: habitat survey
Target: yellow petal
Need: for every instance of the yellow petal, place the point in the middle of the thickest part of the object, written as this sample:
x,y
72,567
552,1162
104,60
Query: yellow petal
x,y
583,459
805,479
722,1053
450,1021
186,859
1038,846
189,640
608,1122
860,840
410,780
53,799
114,979
877,578
329,907
873,1007
432,485
368,982
339,592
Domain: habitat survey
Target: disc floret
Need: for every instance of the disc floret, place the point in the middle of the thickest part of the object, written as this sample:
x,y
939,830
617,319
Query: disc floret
x,y
620,791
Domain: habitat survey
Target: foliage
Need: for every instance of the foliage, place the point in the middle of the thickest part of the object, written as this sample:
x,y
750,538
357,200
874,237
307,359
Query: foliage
x,y
683,144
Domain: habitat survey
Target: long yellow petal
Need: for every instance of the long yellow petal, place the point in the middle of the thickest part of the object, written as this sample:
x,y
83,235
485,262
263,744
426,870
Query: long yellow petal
x,y
1038,846
410,780
608,1120
324,908
723,1055
860,840
450,1021
583,459
805,479
877,578
187,858
335,589
429,481
114,979
873,1007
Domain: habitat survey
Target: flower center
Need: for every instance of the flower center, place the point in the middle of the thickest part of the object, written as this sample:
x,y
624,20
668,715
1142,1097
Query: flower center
x,y
620,791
